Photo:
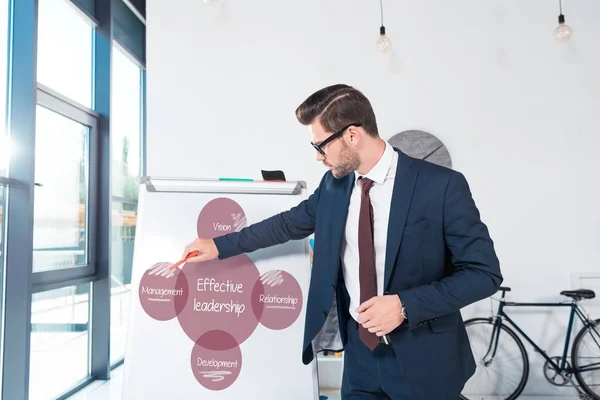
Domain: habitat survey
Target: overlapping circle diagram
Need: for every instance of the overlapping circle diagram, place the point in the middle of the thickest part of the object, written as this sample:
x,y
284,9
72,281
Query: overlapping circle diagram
x,y
219,303
162,291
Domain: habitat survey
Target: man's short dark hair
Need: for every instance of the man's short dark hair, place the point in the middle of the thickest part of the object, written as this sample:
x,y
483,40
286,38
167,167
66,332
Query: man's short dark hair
x,y
337,106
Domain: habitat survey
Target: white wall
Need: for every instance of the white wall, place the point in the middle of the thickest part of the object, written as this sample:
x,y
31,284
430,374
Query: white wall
x,y
518,111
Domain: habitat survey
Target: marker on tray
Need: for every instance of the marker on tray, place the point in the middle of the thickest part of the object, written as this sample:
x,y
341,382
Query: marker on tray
x,y
237,179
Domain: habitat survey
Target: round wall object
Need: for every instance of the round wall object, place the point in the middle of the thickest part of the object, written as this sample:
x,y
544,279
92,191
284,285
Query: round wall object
x,y
422,145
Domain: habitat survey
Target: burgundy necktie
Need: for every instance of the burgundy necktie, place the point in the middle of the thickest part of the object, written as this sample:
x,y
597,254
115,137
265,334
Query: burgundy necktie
x,y
366,253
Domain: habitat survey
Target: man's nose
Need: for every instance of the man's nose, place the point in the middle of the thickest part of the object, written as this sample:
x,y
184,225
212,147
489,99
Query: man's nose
x,y
320,156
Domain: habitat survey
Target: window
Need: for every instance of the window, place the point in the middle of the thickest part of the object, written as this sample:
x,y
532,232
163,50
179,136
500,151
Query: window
x,y
55,299
2,215
59,340
65,50
4,153
65,207
60,229
4,148
122,244
126,132
2,226
63,231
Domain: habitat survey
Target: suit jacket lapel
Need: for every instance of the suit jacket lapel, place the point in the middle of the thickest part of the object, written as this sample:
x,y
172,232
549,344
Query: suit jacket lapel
x,y
404,185
339,212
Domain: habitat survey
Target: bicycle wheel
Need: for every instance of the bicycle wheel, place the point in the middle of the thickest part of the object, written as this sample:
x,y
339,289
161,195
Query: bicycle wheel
x,y
503,372
586,352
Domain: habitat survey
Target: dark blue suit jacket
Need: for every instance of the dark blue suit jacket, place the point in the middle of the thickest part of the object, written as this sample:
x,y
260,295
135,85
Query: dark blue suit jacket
x,y
439,258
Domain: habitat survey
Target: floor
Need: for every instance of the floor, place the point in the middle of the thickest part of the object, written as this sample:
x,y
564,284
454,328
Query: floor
x,y
111,390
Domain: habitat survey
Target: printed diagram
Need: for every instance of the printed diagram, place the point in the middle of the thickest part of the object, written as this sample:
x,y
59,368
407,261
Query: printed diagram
x,y
271,278
216,376
239,221
162,269
220,303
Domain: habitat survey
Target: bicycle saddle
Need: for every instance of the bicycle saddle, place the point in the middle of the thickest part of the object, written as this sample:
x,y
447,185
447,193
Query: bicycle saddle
x,y
579,294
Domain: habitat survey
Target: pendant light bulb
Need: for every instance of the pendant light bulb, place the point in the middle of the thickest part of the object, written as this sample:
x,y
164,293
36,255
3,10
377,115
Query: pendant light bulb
x,y
384,43
563,31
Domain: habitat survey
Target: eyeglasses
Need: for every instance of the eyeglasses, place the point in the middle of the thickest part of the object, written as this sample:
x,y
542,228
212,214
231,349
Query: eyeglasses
x,y
319,147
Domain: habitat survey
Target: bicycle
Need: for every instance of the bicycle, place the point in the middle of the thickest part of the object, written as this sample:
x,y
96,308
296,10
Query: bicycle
x,y
501,357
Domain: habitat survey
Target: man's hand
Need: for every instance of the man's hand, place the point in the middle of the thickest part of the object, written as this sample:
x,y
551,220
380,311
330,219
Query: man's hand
x,y
207,250
381,314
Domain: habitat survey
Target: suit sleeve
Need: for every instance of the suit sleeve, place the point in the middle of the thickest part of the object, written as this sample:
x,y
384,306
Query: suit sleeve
x,y
296,223
477,271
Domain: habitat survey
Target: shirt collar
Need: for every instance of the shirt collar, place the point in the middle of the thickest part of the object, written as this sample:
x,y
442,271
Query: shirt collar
x,y
380,171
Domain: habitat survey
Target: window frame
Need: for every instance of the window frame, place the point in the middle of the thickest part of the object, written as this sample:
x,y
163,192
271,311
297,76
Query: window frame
x,y
47,280
24,95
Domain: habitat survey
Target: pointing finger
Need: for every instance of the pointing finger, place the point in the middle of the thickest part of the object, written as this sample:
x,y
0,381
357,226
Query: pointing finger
x,y
186,251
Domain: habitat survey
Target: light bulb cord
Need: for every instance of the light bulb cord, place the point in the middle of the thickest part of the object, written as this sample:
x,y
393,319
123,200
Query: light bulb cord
x,y
561,17
560,6
382,27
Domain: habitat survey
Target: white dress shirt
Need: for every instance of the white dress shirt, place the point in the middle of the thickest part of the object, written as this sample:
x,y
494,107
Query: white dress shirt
x,y
382,174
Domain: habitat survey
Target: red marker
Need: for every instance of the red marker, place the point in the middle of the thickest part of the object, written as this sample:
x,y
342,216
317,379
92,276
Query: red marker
x,y
178,263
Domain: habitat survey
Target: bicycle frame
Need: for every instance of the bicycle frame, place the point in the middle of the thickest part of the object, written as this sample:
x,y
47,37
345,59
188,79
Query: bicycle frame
x,y
575,310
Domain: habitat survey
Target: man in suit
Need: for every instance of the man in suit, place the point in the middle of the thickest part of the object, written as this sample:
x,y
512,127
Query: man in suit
x,y
399,249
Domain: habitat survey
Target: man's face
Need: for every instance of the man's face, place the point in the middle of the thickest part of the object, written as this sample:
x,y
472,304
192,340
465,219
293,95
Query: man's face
x,y
339,157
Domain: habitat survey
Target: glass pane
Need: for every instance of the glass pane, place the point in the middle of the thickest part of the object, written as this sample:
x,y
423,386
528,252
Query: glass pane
x,y
65,50
3,91
122,242
4,148
129,31
2,226
2,215
126,112
60,209
59,340
3,154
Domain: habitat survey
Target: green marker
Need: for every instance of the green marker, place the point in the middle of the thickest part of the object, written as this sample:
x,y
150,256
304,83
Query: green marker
x,y
237,179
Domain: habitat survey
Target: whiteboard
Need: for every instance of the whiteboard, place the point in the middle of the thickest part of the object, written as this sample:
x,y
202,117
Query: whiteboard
x,y
225,329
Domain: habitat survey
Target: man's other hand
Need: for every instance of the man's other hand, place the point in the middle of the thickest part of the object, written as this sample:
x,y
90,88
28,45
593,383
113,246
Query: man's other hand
x,y
206,248
381,314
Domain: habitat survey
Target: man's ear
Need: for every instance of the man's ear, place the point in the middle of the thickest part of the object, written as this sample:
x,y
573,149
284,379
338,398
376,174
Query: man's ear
x,y
354,134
